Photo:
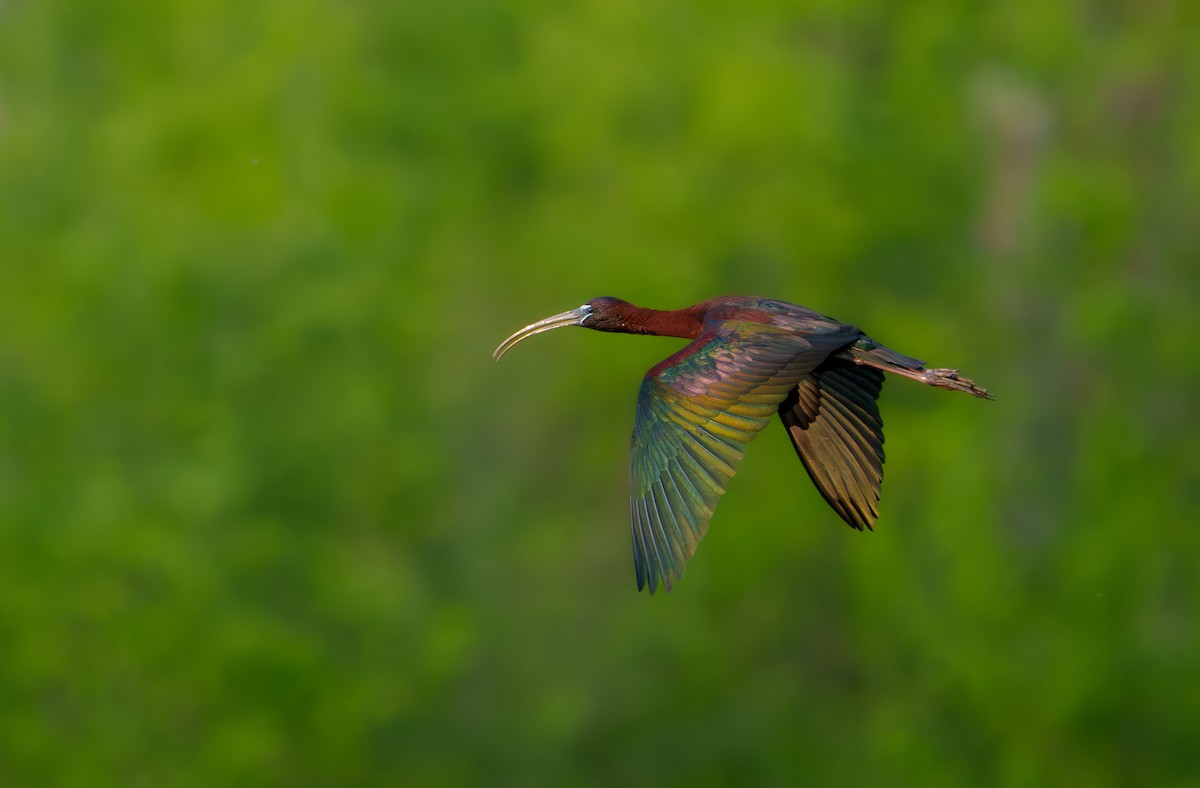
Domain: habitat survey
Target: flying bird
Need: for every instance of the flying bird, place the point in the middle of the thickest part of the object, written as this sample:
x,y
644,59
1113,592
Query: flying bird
x,y
748,359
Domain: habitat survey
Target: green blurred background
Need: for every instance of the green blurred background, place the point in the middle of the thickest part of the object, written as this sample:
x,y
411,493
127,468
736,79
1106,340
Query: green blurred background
x,y
271,515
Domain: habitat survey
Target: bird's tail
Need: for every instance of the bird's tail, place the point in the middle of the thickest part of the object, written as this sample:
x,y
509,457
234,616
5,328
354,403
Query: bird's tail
x,y
870,353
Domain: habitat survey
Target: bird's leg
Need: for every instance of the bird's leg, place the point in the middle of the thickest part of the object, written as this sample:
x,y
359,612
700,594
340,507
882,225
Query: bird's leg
x,y
940,377
875,355
950,379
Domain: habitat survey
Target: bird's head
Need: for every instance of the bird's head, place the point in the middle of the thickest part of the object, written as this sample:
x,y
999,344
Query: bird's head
x,y
601,314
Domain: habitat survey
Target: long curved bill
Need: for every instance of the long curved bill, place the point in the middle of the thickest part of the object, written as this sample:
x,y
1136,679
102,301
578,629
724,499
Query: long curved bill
x,y
573,318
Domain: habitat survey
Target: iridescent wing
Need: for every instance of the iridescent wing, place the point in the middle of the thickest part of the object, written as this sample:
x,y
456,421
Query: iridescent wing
x,y
696,411
833,419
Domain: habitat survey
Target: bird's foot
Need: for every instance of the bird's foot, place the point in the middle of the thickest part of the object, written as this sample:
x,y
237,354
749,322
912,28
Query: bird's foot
x,y
950,379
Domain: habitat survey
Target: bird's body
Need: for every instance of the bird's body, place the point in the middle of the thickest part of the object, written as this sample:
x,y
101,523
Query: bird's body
x,y
749,358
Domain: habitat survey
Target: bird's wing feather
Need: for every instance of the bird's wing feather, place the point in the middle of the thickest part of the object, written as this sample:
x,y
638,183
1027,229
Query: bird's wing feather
x,y
833,419
696,411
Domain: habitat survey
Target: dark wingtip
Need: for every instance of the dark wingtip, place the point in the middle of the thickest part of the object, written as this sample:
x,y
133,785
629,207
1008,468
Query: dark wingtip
x,y
652,584
857,523
650,581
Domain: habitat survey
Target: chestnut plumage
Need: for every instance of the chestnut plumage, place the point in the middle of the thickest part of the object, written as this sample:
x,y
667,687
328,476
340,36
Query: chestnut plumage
x,y
749,358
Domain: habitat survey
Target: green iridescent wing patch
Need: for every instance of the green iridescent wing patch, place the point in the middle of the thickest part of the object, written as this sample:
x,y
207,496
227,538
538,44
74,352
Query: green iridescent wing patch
x,y
696,411
833,419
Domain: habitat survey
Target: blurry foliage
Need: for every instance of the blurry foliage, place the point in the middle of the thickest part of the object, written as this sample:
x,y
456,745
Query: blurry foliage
x,y
269,514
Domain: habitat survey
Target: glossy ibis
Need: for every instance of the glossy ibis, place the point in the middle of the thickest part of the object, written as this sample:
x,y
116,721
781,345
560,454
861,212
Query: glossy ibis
x,y
748,358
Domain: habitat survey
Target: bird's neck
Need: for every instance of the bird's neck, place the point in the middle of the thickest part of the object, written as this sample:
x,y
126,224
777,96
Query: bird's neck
x,y
683,323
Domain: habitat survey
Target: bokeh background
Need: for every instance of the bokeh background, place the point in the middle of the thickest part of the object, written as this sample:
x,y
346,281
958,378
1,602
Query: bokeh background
x,y
271,515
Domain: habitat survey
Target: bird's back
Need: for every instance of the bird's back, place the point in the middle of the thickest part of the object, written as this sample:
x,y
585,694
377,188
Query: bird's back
x,y
771,312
